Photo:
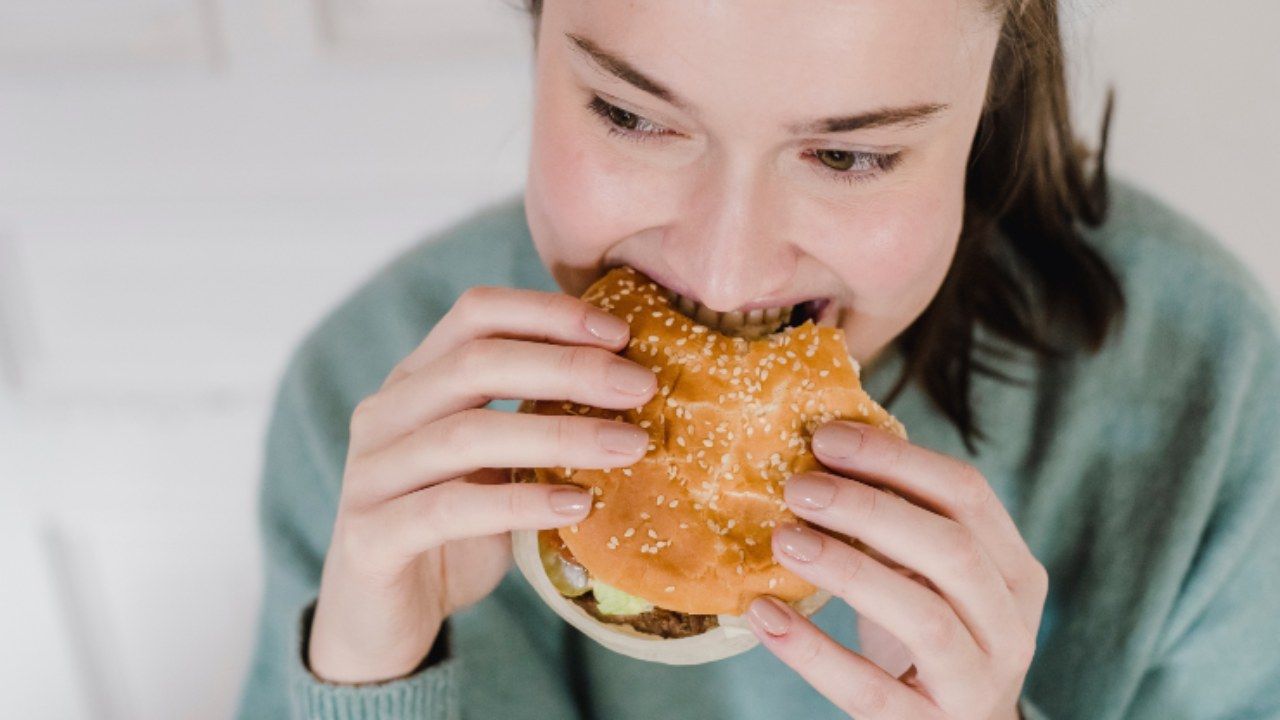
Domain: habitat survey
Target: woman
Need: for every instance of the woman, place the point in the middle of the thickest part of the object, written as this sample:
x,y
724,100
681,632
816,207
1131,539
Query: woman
x,y
1091,386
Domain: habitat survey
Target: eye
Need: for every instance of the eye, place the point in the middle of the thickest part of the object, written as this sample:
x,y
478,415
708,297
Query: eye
x,y
854,165
625,123
843,165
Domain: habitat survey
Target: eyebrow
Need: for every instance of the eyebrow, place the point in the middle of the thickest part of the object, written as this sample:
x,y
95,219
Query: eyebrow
x,y
909,115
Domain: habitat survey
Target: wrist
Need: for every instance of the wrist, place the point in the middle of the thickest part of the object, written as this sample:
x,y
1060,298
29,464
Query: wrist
x,y
334,658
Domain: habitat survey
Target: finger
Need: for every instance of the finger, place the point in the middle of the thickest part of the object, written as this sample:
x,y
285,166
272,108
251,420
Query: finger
x,y
410,525
487,368
854,684
941,550
485,311
466,441
946,656
942,483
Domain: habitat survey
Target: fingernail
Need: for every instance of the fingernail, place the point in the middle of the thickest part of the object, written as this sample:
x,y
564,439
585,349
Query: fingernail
x,y
798,541
809,490
770,615
606,326
838,441
629,378
622,439
569,502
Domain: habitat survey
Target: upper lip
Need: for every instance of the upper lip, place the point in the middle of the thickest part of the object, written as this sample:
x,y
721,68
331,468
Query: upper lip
x,y
764,304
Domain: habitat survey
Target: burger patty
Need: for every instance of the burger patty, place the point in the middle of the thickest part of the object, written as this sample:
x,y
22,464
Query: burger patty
x,y
658,621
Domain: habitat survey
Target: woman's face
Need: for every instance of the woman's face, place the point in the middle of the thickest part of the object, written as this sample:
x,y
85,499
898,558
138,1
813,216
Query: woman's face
x,y
758,154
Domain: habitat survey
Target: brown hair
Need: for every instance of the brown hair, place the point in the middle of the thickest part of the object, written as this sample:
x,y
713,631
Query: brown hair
x,y
1022,268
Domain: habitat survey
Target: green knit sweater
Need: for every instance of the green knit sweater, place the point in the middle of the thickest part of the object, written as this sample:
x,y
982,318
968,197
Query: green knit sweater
x,y
1146,478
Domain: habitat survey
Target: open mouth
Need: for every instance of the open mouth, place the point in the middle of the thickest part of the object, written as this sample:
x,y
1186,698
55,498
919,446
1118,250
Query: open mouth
x,y
753,324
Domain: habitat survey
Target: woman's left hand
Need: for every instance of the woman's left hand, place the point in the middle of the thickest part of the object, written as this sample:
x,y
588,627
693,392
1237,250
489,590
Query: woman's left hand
x,y
968,623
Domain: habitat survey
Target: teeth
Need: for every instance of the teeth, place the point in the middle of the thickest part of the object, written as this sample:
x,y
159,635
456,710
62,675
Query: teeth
x,y
753,324
731,320
710,318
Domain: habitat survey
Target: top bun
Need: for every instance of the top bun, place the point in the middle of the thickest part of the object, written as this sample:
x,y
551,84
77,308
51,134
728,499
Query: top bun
x,y
688,526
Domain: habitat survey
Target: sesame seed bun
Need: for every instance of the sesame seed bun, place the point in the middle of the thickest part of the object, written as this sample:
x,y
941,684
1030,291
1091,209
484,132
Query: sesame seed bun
x,y
688,526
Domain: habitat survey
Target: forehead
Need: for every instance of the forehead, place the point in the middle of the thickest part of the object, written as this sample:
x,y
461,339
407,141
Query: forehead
x,y
801,57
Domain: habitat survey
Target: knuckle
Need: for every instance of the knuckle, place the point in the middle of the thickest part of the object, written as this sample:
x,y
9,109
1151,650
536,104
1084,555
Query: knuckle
x,y
575,361
475,296
363,413
866,501
809,651
848,570
868,698
937,628
893,449
468,307
1037,579
362,540
966,554
973,493
458,432
436,514
1023,649
469,358
555,303
521,503
563,430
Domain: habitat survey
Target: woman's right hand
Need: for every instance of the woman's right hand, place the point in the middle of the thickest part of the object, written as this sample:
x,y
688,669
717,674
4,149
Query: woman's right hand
x,y
425,508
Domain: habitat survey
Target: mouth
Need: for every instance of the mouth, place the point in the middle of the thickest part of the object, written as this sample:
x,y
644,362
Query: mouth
x,y
754,324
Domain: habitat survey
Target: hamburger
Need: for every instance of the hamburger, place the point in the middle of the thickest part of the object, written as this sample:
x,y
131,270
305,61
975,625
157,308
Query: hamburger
x,y
678,544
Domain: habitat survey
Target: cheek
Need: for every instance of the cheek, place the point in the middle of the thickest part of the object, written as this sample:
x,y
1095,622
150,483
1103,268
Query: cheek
x,y
894,251
586,195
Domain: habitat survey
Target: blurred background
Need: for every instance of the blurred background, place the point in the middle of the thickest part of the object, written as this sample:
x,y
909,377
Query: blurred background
x,y
187,185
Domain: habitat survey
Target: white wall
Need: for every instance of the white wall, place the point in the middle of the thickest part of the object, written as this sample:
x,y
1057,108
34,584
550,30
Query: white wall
x,y
185,185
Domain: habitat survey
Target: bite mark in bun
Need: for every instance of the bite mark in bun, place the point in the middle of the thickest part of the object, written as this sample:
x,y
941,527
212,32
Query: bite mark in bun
x,y
687,528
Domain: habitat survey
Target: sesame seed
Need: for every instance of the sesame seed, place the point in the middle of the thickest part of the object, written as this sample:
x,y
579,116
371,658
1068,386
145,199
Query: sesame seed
x,y
573,528
684,526
673,504
653,534
661,499
629,532
644,516
599,505
671,588
772,582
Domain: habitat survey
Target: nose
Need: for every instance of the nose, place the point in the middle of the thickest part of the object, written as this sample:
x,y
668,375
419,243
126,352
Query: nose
x,y
729,244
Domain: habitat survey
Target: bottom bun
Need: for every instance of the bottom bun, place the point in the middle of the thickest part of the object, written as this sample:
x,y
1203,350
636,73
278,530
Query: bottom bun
x,y
731,637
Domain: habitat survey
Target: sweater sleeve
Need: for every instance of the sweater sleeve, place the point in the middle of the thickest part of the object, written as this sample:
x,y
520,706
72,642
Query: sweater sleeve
x,y
298,500
1219,656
